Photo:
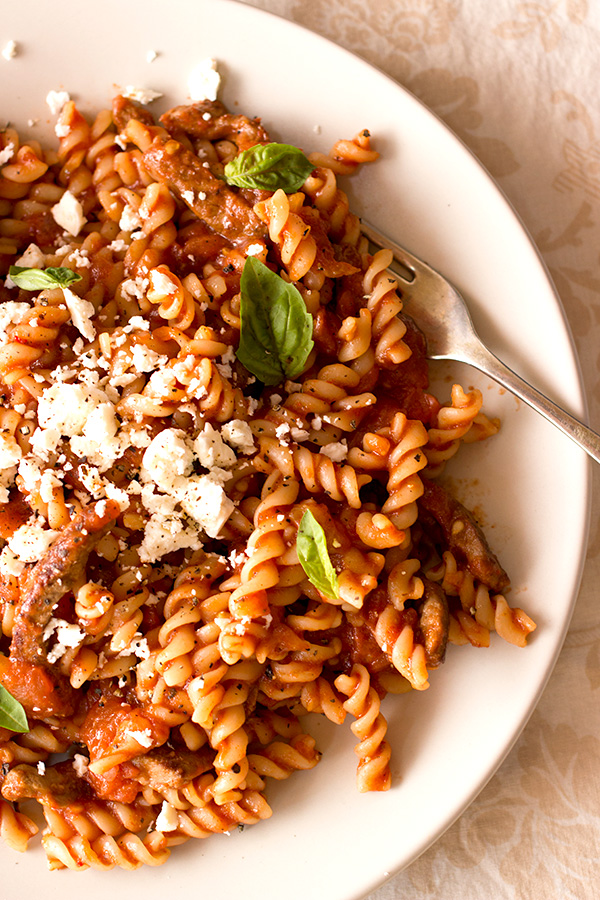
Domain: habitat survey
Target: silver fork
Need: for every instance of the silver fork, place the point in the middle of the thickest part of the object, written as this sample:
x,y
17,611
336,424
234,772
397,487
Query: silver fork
x,y
442,315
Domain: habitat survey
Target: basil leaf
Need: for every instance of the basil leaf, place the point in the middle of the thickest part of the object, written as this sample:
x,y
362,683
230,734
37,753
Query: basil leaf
x,y
311,546
269,167
12,714
276,328
39,279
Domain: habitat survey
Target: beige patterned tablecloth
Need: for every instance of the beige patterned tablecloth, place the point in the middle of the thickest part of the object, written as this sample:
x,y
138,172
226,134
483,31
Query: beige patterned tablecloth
x,y
518,81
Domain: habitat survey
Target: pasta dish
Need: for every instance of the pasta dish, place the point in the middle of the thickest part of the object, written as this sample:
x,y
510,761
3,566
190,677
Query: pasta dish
x,y
220,497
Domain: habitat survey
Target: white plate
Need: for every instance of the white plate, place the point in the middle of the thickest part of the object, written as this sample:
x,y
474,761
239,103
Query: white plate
x,y
325,839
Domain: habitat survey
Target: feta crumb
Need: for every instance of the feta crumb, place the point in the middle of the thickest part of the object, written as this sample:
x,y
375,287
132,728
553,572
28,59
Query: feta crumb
x,y
33,257
239,434
165,534
254,249
7,153
82,312
204,81
151,55
41,767
140,95
10,452
204,500
10,566
336,451
9,51
144,738
167,457
211,450
167,819
129,220
56,100
68,635
80,764
11,313
30,542
68,213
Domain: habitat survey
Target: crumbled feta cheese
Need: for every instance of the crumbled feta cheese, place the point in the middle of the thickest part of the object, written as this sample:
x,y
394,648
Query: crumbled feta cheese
x,y
167,819
140,95
139,646
239,434
30,542
160,285
68,213
282,432
165,534
80,764
129,220
9,51
31,474
49,484
82,312
33,257
204,81
12,312
56,100
151,55
10,452
299,434
67,635
80,258
211,450
7,153
254,249
204,499
167,458
336,451
164,504
144,738
144,359
118,246
66,407
9,564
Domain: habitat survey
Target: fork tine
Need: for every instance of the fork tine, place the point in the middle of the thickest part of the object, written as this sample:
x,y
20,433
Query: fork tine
x,y
412,265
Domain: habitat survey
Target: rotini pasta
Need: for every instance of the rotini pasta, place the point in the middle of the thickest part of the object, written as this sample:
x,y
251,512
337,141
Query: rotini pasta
x,y
211,523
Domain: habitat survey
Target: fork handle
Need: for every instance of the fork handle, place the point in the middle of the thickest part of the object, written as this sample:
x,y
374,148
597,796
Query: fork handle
x,y
483,359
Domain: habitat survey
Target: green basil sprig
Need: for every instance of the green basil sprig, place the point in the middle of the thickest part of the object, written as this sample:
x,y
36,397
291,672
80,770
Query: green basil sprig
x,y
12,714
311,546
40,279
269,167
276,328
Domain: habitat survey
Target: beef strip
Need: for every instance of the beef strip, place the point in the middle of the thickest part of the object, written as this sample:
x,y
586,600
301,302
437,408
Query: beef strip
x,y
57,572
462,535
217,126
223,210
58,786
124,110
434,622
173,768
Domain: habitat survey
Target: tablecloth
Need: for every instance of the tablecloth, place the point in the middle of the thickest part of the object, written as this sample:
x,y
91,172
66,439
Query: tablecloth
x,y
518,82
